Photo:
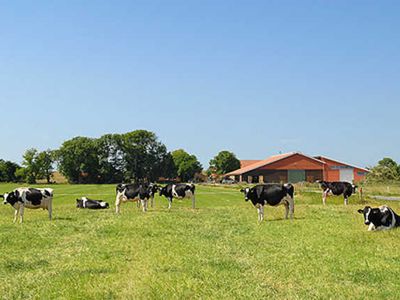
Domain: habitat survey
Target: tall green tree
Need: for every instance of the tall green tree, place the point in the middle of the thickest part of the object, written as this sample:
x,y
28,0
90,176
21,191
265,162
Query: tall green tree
x,y
224,162
186,165
144,155
78,160
31,167
111,158
45,165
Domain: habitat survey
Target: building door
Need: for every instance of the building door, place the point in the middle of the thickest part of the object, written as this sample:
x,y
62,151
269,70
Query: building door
x,y
347,175
295,176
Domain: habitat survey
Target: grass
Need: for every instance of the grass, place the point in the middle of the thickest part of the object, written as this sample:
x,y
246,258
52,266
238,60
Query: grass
x,y
217,251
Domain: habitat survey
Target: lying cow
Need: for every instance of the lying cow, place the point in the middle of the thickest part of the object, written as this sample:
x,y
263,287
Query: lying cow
x,y
179,191
29,198
337,188
132,193
271,194
91,204
381,218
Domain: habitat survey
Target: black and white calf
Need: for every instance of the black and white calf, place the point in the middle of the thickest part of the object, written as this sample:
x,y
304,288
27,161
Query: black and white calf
x,y
132,193
29,198
179,191
271,194
381,218
337,188
91,204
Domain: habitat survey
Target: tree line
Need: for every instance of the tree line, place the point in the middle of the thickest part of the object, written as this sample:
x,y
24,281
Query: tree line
x,y
134,156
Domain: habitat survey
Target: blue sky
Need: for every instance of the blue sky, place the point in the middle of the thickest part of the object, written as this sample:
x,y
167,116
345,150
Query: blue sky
x,y
252,77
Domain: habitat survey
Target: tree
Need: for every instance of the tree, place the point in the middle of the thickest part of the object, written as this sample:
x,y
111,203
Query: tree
x,y
45,162
144,155
111,158
78,160
386,170
31,167
224,162
187,165
7,171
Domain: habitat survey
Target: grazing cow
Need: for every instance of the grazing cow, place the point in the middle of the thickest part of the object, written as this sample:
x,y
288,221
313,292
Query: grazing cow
x,y
132,193
179,191
29,198
381,218
271,194
91,204
337,188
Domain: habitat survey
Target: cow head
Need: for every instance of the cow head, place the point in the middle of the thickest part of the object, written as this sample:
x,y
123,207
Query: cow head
x,y
11,198
371,215
79,203
163,191
354,188
246,192
153,189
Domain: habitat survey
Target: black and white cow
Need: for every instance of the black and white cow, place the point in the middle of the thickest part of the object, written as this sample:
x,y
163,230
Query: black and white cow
x,y
85,202
381,218
29,198
271,194
179,191
133,192
153,189
337,188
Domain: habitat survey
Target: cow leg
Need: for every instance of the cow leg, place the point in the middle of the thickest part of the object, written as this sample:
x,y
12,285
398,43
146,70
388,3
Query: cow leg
x,y
138,204
169,203
144,204
118,204
193,202
16,214
286,209
324,195
371,227
346,200
152,202
21,214
260,210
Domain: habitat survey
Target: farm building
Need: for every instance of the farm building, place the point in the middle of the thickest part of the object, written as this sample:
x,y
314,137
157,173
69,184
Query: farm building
x,y
296,167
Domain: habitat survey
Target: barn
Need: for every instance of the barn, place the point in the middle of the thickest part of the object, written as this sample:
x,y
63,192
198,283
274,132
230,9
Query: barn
x,y
296,167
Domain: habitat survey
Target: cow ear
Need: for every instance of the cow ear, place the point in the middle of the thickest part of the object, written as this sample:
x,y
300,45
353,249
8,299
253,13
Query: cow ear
x,y
241,190
1,196
360,211
77,200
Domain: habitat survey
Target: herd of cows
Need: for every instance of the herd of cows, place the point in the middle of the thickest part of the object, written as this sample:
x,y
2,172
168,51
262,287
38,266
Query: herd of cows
x,y
381,218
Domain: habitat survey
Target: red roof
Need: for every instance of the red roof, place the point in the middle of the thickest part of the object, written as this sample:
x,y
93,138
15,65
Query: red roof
x,y
340,162
267,161
248,162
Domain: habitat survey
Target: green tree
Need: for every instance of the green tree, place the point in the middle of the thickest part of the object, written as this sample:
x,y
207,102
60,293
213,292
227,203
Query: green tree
x,y
111,158
45,161
30,164
7,171
224,162
386,170
144,155
186,165
78,160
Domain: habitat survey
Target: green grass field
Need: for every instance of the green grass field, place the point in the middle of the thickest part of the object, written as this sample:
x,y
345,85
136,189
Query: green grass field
x,y
217,251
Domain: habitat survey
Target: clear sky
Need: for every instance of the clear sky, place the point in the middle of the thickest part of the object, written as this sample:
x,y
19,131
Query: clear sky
x,y
252,77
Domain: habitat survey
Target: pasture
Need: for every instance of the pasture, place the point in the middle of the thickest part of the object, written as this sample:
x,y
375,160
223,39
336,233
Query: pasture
x,y
217,251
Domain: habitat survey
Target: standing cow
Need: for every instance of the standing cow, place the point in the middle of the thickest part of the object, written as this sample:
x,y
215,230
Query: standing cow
x,y
153,189
132,193
29,198
179,191
337,188
271,194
